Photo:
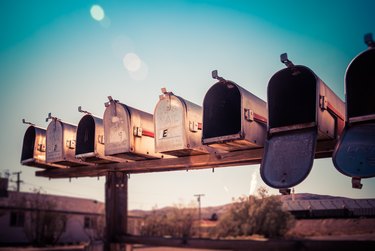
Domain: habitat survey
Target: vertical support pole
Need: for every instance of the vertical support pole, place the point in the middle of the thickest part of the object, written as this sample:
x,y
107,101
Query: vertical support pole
x,y
116,208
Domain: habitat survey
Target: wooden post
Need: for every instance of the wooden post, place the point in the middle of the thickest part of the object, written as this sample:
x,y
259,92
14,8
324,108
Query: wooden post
x,y
116,209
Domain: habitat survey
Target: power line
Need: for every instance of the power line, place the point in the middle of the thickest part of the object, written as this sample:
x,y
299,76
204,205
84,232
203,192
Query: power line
x,y
18,181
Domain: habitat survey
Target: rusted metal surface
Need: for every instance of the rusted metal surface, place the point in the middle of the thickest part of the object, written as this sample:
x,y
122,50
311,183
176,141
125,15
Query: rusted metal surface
x,y
233,118
178,126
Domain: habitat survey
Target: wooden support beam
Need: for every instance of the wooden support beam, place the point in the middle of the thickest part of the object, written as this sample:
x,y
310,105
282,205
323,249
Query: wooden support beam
x,y
116,207
324,149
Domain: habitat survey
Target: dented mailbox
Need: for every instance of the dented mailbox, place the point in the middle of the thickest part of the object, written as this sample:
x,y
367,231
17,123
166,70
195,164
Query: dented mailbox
x,y
128,132
233,118
354,154
301,110
61,143
90,141
178,126
34,148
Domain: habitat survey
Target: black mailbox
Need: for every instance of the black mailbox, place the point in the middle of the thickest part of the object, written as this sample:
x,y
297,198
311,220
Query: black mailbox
x,y
233,118
34,148
354,154
301,110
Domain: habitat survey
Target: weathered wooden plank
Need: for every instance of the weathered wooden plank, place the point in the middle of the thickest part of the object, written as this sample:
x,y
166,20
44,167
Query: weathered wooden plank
x,y
237,158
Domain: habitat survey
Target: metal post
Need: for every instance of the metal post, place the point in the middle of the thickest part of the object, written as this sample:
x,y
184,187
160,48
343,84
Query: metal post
x,y
116,209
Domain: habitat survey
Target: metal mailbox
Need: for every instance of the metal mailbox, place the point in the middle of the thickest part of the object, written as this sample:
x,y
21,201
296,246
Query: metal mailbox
x,y
301,110
61,143
354,154
178,126
90,141
34,148
128,132
233,118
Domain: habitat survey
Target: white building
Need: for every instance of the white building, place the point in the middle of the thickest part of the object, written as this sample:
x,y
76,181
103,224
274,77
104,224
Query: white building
x,y
35,217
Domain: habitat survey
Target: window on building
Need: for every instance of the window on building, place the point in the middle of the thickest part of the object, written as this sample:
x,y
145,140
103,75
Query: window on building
x,y
17,219
89,222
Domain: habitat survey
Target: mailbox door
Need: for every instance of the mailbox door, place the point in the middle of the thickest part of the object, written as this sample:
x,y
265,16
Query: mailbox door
x,y
170,131
354,155
116,129
288,158
290,147
86,135
55,145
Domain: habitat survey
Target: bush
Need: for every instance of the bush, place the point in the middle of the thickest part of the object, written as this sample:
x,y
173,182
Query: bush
x,y
261,215
174,222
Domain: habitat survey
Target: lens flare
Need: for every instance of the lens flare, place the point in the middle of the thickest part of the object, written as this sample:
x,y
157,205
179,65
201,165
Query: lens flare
x,y
97,12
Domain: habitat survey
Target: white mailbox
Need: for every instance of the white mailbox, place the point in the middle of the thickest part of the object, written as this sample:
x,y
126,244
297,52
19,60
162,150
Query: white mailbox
x,y
90,141
61,143
34,148
128,132
233,118
178,126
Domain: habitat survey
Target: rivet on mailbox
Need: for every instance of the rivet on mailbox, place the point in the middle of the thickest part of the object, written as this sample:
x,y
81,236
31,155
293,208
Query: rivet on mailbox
x,y
233,118
90,140
34,148
61,143
178,126
354,154
301,110
128,132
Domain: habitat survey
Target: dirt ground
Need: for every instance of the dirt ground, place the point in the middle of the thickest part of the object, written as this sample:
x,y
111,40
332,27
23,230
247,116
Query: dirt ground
x,y
343,229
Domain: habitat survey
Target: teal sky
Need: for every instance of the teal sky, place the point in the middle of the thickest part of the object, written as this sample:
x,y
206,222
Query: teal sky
x,y
54,57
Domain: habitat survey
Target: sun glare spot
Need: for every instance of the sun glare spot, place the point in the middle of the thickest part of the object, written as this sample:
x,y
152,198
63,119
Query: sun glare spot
x,y
97,12
132,62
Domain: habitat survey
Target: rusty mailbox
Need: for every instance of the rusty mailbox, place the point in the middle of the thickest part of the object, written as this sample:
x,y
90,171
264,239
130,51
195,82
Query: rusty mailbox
x,y
128,132
301,110
61,143
90,140
354,154
233,118
34,148
178,126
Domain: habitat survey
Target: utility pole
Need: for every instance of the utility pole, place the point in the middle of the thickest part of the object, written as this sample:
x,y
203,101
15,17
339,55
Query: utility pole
x,y
199,212
19,181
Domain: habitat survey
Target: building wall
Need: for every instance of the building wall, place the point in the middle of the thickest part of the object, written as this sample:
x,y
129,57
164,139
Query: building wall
x,y
84,218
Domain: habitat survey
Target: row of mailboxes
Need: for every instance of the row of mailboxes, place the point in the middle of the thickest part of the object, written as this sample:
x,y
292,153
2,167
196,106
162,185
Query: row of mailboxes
x,y
301,110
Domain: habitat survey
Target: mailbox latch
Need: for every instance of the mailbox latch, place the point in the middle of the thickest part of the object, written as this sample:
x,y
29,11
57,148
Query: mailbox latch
x,y
195,126
137,131
101,139
41,147
71,144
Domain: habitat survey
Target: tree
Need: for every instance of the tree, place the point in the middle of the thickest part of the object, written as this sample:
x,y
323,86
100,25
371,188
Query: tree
x,y
262,215
44,226
175,222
